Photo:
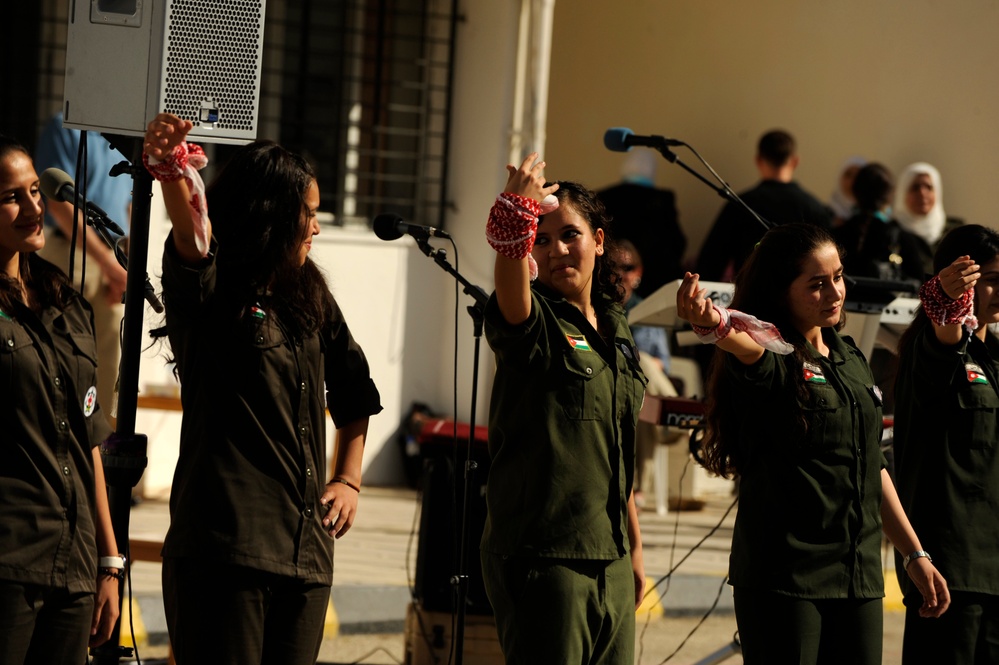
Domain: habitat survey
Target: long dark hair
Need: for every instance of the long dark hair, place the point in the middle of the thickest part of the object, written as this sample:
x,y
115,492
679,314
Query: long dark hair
x,y
761,289
50,284
588,206
256,205
978,242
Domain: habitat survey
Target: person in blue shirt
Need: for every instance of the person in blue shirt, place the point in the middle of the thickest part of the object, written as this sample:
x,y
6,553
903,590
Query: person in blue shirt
x,y
105,278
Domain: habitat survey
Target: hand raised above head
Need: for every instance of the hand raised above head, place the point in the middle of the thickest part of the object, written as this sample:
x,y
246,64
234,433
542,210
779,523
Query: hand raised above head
x,y
528,180
959,276
164,133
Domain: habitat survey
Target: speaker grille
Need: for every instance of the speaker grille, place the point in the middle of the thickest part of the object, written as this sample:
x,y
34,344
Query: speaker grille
x,y
211,55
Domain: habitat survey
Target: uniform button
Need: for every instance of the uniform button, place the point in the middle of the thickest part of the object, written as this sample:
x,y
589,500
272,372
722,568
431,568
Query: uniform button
x,y
303,386
260,339
10,342
65,470
308,512
63,426
304,430
58,382
308,472
589,370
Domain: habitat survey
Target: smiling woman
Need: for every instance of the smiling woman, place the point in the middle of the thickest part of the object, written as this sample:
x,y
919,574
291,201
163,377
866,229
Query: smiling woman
x,y
54,596
793,410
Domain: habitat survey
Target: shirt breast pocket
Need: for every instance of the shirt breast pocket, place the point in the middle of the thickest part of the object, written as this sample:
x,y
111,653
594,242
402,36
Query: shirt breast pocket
x,y
977,404
85,357
828,424
577,388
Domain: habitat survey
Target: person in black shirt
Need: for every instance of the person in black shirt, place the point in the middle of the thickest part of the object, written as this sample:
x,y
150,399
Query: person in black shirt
x,y
875,244
56,592
646,215
261,349
777,198
947,448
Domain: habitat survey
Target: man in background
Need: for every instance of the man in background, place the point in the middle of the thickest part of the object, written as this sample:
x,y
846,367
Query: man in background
x,y
646,215
777,198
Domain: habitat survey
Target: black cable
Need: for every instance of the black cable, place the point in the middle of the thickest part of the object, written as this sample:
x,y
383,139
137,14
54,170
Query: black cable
x,y
373,652
699,623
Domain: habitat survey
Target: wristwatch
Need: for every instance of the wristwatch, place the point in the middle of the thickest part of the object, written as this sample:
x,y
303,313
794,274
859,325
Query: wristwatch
x,y
918,554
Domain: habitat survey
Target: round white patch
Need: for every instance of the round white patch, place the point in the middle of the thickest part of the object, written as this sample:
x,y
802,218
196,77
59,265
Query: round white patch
x,y
90,401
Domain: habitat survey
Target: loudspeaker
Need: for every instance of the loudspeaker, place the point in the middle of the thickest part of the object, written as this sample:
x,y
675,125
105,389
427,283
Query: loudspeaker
x,y
440,520
127,60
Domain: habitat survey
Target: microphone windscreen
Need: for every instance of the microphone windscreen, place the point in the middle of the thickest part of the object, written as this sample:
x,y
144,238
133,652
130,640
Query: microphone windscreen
x,y
386,226
615,139
52,181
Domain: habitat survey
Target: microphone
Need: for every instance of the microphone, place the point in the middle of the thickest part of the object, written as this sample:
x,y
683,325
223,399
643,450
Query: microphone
x,y
390,226
58,186
622,139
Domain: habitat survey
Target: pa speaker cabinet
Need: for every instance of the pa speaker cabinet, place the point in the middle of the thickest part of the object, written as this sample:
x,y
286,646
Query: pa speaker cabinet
x,y
127,60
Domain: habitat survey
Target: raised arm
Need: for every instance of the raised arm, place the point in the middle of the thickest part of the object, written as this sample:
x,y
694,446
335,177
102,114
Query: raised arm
x,y
692,306
163,135
946,295
512,275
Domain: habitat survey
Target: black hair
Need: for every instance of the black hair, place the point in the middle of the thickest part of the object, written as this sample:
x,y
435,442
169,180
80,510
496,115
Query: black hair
x,y
873,187
256,205
761,289
776,147
50,284
585,202
981,244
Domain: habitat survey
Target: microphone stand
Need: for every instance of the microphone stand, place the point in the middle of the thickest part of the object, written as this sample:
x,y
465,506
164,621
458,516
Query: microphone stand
x,y
724,192
124,453
477,312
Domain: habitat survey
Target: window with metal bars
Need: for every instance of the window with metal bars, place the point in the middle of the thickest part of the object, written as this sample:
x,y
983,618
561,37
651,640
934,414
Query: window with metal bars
x,y
362,88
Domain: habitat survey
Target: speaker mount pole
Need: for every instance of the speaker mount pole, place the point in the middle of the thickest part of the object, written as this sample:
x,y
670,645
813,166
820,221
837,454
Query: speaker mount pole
x,y
124,453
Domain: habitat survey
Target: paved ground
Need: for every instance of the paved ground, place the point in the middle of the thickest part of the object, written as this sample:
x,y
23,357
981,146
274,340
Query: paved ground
x,y
375,569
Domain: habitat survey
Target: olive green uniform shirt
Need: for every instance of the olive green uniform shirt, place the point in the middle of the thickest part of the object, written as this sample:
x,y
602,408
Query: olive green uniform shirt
x,y
947,458
252,462
51,421
562,424
809,523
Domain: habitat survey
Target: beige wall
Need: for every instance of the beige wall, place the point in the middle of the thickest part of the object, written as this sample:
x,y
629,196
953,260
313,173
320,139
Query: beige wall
x,y
894,81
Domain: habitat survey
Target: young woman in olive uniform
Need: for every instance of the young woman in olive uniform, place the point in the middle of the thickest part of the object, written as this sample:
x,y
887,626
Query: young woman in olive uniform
x,y
947,449
561,553
248,559
54,518
793,411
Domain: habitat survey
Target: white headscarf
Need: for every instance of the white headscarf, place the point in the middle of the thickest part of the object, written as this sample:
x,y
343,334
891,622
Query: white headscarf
x,y
842,203
930,226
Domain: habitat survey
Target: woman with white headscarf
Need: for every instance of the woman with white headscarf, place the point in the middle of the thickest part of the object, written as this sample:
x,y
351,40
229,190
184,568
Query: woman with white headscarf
x,y
919,209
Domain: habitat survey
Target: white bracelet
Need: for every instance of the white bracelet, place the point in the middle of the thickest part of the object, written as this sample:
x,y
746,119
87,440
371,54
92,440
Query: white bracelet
x,y
112,562
918,554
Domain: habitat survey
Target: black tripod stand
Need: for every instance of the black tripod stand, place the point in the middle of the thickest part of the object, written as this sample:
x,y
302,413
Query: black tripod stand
x,y
477,311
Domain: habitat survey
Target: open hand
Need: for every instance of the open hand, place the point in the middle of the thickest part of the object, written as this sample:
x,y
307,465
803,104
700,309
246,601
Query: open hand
x,y
528,181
